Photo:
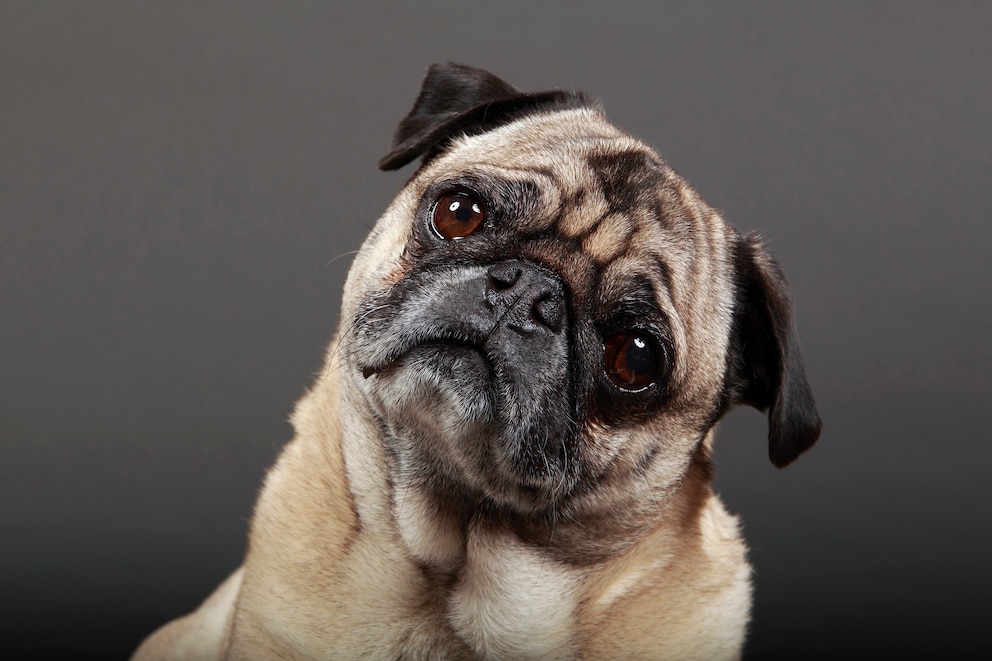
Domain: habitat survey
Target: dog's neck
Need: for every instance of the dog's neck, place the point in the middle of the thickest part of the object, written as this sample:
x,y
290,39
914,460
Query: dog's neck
x,y
436,526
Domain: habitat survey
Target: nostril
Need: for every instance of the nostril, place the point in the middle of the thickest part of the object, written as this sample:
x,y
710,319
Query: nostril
x,y
504,276
550,311
525,297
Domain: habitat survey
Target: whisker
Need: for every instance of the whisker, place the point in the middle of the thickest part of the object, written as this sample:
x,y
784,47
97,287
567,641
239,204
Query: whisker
x,y
344,254
346,331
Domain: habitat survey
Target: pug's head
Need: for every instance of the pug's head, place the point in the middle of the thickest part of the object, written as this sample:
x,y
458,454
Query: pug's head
x,y
549,315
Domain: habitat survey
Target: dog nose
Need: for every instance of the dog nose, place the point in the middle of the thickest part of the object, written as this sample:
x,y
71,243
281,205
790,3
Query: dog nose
x,y
533,291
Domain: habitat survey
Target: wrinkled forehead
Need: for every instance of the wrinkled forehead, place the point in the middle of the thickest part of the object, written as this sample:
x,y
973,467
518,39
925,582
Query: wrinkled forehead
x,y
590,184
569,147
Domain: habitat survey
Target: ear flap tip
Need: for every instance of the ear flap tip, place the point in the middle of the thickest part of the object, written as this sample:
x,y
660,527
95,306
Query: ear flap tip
x,y
390,161
785,446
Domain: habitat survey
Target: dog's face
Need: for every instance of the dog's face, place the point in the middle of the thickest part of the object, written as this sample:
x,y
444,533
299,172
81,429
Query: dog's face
x,y
548,317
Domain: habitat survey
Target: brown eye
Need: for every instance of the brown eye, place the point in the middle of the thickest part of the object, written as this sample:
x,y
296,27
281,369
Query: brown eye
x,y
457,215
631,360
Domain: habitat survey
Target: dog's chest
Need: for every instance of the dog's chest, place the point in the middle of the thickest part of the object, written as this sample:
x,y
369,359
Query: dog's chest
x,y
512,601
503,597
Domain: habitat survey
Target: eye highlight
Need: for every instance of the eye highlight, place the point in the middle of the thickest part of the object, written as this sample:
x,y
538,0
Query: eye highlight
x,y
632,360
457,214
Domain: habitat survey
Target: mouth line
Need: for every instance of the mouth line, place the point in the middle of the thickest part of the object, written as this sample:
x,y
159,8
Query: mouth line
x,y
457,339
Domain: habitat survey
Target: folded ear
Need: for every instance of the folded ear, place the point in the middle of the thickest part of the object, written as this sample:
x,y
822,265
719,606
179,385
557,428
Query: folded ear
x,y
765,366
457,100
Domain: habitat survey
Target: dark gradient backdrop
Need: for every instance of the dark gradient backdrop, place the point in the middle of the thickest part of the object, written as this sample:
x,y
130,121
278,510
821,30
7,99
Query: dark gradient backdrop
x,y
182,184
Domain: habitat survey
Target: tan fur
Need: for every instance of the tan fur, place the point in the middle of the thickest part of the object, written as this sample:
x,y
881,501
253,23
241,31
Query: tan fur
x,y
351,559
201,635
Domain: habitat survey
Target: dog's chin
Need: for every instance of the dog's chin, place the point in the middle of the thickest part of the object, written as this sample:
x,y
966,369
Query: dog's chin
x,y
440,401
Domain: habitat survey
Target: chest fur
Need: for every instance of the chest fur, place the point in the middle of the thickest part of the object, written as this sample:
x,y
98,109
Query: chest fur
x,y
512,601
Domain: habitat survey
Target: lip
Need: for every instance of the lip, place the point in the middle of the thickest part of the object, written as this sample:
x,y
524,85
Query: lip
x,y
459,339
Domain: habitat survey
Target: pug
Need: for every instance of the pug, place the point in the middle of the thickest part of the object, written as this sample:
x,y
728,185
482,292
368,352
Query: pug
x,y
507,454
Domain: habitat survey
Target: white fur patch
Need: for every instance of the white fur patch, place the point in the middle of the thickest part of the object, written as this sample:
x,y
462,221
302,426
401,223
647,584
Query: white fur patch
x,y
512,601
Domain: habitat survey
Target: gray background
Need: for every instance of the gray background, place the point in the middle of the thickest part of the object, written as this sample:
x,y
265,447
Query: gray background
x,y
181,185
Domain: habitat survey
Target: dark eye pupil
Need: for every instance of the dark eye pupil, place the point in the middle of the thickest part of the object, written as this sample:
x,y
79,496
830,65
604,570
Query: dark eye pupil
x,y
639,357
462,211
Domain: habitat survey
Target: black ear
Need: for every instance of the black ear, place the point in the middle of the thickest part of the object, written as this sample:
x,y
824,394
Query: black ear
x,y
766,364
457,100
